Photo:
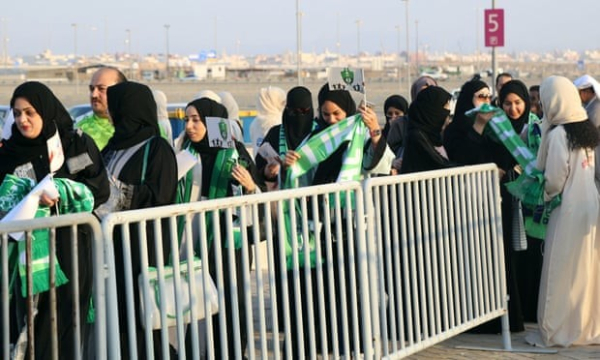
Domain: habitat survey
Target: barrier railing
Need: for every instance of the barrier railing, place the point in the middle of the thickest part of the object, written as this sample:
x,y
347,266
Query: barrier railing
x,y
382,268
438,266
299,296
66,228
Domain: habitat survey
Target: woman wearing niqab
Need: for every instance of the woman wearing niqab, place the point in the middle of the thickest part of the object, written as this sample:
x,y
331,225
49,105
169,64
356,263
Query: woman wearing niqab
x,y
428,114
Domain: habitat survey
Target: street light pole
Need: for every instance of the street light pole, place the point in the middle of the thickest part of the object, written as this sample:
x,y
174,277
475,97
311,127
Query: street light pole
x,y
75,72
298,43
399,56
358,23
167,71
128,41
417,46
407,54
493,60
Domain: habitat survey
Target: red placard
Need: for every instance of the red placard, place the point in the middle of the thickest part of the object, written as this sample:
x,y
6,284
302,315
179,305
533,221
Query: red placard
x,y
494,27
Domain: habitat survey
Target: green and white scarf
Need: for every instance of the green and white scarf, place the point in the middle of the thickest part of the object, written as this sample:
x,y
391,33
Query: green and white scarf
x,y
314,151
74,197
529,186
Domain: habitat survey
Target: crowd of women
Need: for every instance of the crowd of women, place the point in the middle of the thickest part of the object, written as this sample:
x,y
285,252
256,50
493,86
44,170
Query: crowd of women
x,y
552,281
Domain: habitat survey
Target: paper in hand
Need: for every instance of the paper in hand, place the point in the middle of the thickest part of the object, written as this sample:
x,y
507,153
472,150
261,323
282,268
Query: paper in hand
x,y
185,161
28,206
267,151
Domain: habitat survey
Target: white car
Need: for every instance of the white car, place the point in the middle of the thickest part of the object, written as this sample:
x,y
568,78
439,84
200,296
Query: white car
x,y
77,111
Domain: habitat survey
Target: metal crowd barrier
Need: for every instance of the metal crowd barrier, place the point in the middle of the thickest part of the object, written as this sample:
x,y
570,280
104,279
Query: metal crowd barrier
x,y
399,264
326,290
71,223
436,256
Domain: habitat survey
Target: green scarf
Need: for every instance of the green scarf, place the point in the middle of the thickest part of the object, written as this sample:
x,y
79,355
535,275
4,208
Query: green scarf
x,y
529,186
315,150
74,197
99,129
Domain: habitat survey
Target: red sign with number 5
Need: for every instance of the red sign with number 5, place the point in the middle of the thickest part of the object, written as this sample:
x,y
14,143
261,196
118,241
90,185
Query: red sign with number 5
x,y
494,27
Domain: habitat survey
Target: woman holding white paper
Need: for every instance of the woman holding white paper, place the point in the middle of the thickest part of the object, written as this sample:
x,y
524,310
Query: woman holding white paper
x,y
218,173
43,142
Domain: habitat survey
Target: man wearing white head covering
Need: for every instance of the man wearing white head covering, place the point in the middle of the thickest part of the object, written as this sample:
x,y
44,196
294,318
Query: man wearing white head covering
x,y
163,116
269,108
589,90
568,311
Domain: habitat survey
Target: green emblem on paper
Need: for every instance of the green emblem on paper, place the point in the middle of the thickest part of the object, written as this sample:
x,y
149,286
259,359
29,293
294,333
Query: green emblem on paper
x,y
223,128
347,76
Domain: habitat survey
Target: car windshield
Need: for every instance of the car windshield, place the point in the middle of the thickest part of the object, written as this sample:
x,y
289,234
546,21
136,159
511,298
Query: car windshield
x,y
78,110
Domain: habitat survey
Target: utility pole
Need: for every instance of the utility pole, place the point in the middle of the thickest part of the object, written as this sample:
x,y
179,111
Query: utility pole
x,y
407,55
75,72
167,71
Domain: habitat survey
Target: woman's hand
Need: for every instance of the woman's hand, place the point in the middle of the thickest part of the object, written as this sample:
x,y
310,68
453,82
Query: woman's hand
x,y
242,175
370,119
272,168
290,158
45,199
481,121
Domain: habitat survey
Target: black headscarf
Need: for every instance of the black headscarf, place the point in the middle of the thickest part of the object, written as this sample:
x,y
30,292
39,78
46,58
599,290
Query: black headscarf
x,y
341,98
18,149
396,101
133,112
207,108
427,113
518,88
464,103
298,116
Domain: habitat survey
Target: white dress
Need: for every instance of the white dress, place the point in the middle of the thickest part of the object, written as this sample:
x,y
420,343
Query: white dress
x,y
569,302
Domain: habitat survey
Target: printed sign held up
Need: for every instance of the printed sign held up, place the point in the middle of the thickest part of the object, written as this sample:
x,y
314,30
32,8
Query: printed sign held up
x,y
351,79
219,132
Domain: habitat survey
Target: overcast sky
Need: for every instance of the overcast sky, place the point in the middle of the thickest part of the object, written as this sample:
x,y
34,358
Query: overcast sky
x,y
269,26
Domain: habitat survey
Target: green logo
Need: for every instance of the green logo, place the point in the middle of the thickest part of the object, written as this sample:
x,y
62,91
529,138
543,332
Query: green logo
x,y
347,76
223,128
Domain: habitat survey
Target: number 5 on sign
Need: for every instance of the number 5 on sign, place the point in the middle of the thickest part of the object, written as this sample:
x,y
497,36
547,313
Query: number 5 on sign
x,y
494,27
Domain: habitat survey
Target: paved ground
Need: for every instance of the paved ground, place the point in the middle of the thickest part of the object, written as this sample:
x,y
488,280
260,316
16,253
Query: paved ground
x,y
450,349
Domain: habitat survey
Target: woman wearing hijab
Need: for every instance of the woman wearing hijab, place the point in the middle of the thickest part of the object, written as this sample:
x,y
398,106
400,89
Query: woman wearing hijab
x,y
220,172
568,312
40,120
466,144
515,101
143,172
396,137
335,106
428,114
297,124
269,107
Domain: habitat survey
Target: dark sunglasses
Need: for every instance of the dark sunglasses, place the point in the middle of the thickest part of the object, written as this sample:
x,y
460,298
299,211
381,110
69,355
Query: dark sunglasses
x,y
484,96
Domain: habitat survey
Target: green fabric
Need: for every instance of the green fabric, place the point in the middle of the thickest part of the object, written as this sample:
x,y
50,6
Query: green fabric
x,y
99,129
529,186
219,183
74,197
314,151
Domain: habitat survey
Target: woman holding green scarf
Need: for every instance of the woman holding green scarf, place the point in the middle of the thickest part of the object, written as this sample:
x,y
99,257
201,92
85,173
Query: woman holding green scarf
x,y
219,173
42,123
514,100
375,158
